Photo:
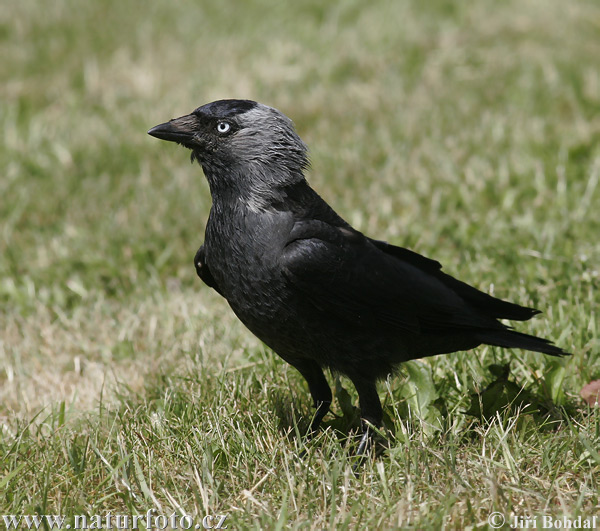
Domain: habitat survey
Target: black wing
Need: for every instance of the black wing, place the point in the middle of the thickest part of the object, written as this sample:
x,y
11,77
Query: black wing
x,y
490,306
203,271
362,280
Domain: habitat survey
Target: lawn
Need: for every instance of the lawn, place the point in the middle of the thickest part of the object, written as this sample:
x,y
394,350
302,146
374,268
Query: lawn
x,y
466,131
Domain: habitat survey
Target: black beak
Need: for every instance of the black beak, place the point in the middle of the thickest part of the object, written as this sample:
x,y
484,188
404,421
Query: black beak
x,y
180,130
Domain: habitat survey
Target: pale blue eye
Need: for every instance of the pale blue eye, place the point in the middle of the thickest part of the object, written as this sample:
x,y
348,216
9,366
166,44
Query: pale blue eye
x,y
223,127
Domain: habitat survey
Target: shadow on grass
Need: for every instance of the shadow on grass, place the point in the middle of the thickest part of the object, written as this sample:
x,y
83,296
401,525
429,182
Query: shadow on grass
x,y
543,408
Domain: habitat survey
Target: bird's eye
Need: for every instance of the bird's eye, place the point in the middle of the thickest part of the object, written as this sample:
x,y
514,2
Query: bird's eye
x,y
223,127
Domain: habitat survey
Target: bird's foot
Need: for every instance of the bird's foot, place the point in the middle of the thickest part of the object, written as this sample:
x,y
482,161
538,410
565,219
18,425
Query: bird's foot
x,y
371,439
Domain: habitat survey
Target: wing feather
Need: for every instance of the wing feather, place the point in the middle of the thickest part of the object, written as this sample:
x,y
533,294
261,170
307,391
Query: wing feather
x,y
343,272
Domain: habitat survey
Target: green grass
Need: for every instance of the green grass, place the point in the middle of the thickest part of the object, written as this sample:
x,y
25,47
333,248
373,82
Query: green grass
x,y
467,131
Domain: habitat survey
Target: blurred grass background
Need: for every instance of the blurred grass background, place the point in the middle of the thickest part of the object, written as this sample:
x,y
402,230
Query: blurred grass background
x,y
467,131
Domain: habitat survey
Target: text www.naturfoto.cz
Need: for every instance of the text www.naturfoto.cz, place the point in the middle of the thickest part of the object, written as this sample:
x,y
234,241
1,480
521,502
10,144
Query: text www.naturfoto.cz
x,y
148,521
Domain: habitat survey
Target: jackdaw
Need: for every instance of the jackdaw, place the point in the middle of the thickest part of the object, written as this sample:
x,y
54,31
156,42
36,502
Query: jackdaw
x,y
314,289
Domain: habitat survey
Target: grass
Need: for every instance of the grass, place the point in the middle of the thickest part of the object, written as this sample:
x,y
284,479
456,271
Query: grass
x,y
467,131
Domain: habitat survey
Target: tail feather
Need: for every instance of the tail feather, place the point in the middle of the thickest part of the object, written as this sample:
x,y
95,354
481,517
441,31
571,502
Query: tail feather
x,y
513,339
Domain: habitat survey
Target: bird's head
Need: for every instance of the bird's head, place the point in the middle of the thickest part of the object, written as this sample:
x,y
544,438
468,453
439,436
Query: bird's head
x,y
239,140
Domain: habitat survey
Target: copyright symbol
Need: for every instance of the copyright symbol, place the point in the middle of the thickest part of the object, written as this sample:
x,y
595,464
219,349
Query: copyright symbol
x,y
496,520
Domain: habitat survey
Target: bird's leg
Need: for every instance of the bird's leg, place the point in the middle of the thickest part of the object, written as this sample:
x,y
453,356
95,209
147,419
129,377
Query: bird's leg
x,y
370,411
319,390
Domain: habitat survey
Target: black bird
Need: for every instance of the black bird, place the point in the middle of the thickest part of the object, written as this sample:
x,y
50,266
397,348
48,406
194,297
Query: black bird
x,y
314,289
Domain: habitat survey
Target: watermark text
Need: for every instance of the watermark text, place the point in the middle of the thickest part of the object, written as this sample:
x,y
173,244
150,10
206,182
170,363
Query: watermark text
x,y
149,521
497,520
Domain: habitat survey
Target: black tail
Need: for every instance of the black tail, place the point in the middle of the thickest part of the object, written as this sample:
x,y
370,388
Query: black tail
x,y
512,339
